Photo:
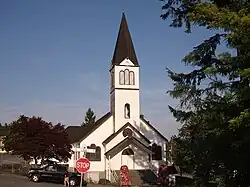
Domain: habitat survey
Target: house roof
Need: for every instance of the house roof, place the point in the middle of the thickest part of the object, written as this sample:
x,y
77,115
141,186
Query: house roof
x,y
152,127
78,133
124,47
124,143
121,129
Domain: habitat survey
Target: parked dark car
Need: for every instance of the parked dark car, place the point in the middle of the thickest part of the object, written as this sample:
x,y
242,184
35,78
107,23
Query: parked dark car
x,y
53,173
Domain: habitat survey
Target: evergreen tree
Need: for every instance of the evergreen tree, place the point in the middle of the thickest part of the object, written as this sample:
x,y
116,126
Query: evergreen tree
x,y
214,97
89,118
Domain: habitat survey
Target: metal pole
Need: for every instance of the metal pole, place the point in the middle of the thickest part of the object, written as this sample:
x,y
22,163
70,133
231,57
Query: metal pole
x,y
81,179
74,157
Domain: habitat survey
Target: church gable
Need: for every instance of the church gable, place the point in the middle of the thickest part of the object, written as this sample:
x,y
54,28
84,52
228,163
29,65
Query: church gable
x,y
126,62
125,131
125,143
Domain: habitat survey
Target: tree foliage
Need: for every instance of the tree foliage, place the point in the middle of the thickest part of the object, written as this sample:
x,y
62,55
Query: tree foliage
x,y
89,117
214,98
4,125
34,138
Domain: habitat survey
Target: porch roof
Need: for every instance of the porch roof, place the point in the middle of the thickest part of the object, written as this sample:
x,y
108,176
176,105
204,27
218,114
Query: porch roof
x,y
124,143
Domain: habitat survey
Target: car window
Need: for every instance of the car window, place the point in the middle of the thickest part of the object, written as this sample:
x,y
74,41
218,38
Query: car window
x,y
61,169
51,168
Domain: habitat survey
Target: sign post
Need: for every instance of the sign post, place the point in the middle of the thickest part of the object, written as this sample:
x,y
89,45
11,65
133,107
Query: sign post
x,y
82,166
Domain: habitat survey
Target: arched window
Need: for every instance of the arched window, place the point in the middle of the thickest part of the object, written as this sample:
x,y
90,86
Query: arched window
x,y
94,153
121,77
127,111
157,152
126,76
128,151
131,78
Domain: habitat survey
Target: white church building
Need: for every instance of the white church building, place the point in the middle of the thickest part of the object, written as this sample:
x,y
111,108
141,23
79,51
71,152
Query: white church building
x,y
122,136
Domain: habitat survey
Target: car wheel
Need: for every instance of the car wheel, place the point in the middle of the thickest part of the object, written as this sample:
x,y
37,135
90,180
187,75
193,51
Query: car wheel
x,y
72,182
35,178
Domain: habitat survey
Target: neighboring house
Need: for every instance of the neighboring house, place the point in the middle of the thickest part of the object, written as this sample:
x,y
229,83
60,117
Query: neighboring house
x,y
3,133
122,136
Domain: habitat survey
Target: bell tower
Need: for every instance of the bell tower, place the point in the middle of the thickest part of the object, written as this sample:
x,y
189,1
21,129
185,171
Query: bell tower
x,y
124,74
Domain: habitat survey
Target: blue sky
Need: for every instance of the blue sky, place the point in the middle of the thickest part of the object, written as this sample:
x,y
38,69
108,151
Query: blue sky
x,y
55,56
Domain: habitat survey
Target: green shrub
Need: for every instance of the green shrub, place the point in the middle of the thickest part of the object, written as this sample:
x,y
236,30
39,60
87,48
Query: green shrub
x,y
84,183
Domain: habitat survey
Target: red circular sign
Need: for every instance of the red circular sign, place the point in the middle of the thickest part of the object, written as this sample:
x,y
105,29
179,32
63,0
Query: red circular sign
x,y
82,165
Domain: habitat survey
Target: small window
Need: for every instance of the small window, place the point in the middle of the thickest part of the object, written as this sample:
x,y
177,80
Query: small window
x,y
95,154
51,168
157,152
121,77
126,76
131,78
127,111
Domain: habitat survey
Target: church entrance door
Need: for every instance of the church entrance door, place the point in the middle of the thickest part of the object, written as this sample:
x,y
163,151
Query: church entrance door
x,y
128,158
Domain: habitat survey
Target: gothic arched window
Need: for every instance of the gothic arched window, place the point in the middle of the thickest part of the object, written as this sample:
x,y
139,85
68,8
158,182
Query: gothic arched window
x,y
94,154
157,152
128,151
131,78
127,111
121,77
126,76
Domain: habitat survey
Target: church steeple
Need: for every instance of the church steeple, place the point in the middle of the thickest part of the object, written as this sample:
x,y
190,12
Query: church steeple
x,y
124,46
124,76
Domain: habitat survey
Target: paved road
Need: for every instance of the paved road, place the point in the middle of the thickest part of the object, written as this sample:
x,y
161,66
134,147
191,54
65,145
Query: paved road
x,y
8,180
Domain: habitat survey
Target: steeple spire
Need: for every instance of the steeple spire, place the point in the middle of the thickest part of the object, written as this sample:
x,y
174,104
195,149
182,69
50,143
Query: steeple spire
x,y
124,46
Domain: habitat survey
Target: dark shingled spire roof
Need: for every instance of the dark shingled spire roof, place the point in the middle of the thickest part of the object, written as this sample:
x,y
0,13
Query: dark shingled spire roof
x,y
124,47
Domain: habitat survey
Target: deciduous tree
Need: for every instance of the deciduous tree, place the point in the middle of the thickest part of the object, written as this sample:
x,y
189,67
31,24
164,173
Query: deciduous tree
x,y
214,97
34,138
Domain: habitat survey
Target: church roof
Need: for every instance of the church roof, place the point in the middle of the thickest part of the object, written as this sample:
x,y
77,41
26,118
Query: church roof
x,y
124,47
153,128
78,133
